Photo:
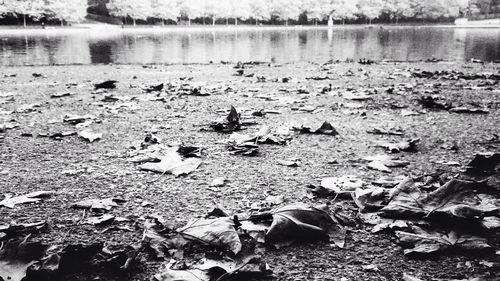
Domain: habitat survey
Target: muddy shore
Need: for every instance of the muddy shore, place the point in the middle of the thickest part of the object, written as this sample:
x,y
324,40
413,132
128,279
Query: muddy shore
x,y
75,169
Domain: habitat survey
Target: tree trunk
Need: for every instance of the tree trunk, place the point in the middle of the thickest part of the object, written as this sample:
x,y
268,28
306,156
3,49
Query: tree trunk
x,y
133,20
189,21
163,22
227,21
213,20
24,21
203,20
62,22
235,21
370,21
343,21
256,22
397,19
286,22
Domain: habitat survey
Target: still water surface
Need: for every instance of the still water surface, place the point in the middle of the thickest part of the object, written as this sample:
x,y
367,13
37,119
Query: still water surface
x,y
77,46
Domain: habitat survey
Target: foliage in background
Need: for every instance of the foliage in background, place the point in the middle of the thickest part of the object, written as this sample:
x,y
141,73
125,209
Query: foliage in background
x,y
256,11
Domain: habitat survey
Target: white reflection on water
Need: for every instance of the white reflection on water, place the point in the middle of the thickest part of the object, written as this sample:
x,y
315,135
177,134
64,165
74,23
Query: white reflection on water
x,y
181,45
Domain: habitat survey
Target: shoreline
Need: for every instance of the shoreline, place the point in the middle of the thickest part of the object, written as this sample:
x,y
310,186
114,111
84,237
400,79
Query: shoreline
x,y
221,28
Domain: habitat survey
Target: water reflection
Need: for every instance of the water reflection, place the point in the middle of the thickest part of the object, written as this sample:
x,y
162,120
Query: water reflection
x,y
319,45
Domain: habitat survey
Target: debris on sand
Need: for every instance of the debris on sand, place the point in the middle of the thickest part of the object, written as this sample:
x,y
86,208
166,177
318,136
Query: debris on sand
x,y
90,136
325,129
108,84
33,197
172,163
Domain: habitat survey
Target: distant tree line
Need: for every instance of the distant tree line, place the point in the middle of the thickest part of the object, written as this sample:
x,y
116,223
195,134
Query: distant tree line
x,y
49,10
254,11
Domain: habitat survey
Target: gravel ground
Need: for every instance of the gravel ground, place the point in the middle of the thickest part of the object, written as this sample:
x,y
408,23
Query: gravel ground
x,y
78,170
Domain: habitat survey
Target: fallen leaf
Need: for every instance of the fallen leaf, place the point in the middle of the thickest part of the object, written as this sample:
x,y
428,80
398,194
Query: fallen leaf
x,y
219,232
325,129
230,124
289,163
456,200
217,182
77,119
470,110
33,197
101,220
14,229
383,163
381,131
109,84
173,163
299,222
60,95
17,256
154,88
484,163
409,145
90,136
99,205
246,149
428,242
370,199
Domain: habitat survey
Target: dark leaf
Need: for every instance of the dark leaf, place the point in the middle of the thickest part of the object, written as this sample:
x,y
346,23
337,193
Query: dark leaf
x,y
299,222
109,84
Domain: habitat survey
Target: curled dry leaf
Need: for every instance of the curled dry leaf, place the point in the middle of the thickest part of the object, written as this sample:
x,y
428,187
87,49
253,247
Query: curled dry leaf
x,y
230,124
325,129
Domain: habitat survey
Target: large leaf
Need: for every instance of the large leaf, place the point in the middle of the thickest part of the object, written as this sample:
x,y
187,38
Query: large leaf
x,y
299,222
219,232
173,163
457,199
426,242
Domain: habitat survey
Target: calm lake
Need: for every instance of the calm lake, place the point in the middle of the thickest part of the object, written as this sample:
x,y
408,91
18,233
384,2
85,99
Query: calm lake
x,y
170,45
